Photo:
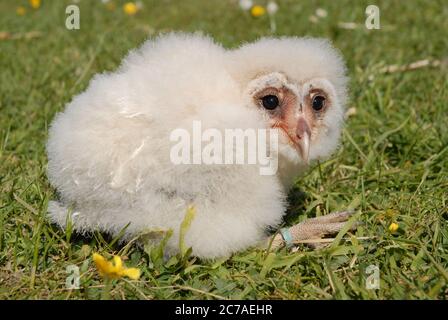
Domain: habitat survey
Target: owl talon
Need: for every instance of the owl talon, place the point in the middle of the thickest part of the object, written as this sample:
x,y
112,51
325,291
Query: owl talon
x,y
339,216
313,229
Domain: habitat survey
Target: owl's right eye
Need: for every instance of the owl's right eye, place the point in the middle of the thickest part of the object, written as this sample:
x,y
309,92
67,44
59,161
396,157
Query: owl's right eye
x,y
270,102
318,102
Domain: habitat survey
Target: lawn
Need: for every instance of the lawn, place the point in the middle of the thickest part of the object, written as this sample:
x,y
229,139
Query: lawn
x,y
392,165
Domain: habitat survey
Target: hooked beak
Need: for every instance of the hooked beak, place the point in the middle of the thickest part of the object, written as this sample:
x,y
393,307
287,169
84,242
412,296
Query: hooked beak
x,y
303,134
300,139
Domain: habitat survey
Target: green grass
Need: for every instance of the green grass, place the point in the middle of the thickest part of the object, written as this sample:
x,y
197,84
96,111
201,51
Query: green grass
x,y
392,165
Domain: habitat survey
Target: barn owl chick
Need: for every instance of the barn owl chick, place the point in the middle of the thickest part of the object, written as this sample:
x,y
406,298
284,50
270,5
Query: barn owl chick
x,y
109,150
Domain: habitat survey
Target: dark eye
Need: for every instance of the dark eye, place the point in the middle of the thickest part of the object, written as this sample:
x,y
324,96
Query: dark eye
x,y
270,102
318,103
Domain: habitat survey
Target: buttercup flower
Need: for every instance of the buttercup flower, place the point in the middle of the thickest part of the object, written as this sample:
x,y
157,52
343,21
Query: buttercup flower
x,y
130,8
21,11
35,4
393,227
257,11
115,269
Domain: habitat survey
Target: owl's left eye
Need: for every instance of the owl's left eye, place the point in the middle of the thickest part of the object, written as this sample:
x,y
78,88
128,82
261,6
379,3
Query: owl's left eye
x,y
270,102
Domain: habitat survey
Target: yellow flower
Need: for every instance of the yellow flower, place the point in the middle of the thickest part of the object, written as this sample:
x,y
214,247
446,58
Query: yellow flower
x,y
35,4
21,11
393,227
257,11
130,8
115,269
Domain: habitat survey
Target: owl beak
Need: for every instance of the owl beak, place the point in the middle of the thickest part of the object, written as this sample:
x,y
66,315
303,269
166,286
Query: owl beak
x,y
303,134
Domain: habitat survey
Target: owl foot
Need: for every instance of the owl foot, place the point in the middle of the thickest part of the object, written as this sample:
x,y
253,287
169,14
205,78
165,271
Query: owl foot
x,y
312,231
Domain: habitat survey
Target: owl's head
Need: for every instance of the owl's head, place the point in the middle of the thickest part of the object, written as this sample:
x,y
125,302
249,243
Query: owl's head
x,y
299,87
